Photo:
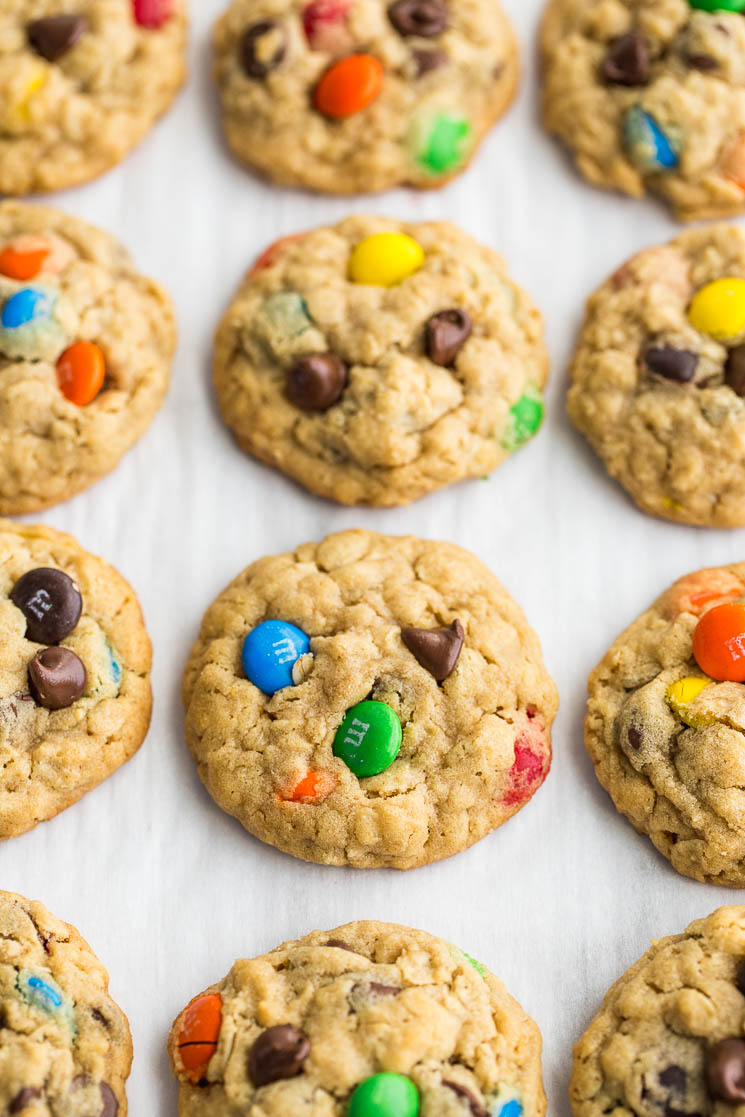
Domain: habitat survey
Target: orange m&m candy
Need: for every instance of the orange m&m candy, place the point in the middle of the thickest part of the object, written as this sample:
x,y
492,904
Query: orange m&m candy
x,y
312,788
23,258
349,86
200,1031
80,372
719,643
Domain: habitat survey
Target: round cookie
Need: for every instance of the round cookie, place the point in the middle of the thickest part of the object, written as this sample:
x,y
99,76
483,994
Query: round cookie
x,y
658,377
81,82
322,1026
669,1037
354,96
86,345
75,693
400,709
649,95
665,720
376,361
65,1047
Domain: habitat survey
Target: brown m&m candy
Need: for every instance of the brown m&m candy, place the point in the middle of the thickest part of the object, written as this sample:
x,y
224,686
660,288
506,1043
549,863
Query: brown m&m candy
x,y
278,1053
436,649
725,1070
51,603
53,36
422,18
317,381
56,678
446,334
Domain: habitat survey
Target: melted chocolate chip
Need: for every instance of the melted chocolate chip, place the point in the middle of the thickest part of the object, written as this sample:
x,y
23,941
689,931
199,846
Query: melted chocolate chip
x,y
634,738
446,334
375,989
100,1018
702,62
671,364
674,1078
24,1098
725,1070
317,381
436,649
426,61
734,370
474,1105
740,978
279,1052
263,47
627,61
56,678
341,945
110,1106
424,18
53,36
51,603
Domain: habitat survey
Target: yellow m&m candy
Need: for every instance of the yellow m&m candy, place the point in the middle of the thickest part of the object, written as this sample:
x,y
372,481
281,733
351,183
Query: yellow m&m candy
x,y
680,694
718,309
385,259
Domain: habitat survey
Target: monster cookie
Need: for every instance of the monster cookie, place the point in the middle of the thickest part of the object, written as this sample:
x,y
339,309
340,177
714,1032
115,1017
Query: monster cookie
x,y
649,95
670,1036
368,1020
65,1047
74,675
666,719
85,352
658,377
369,701
375,361
81,82
352,96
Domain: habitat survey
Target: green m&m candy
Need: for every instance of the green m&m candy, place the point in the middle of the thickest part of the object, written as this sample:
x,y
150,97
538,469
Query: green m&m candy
x,y
385,1095
718,5
443,146
369,738
525,418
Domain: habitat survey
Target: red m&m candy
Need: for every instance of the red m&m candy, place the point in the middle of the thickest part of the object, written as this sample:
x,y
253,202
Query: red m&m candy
x,y
152,13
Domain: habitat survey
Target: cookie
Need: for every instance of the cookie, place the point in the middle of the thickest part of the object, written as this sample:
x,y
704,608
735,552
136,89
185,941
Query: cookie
x,y
368,1019
658,377
669,1037
81,83
75,694
650,97
65,1047
86,345
665,720
376,361
354,96
369,701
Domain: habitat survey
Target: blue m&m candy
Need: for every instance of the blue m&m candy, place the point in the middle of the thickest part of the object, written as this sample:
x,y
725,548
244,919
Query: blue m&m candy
x,y
270,651
651,149
25,306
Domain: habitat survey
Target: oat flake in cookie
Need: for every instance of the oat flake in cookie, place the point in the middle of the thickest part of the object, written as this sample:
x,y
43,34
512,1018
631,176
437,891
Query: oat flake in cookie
x,y
658,377
376,361
75,692
370,701
669,1036
354,96
368,1020
649,95
81,82
86,345
65,1047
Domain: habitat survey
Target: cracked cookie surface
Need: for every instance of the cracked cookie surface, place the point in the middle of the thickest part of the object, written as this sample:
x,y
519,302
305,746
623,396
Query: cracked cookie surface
x,y
298,1030
473,748
667,739
406,417
649,96
65,1047
424,82
80,84
76,290
658,377
668,1038
50,758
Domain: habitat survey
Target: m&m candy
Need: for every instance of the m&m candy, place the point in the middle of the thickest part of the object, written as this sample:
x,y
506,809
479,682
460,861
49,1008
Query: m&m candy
x,y
718,5
270,651
369,738
648,146
200,1031
81,371
385,1095
349,86
44,994
23,258
524,420
385,259
445,145
25,306
718,308
152,13
681,693
719,643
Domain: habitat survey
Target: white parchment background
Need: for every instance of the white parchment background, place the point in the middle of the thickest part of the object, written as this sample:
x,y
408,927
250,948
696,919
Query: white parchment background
x,y
168,889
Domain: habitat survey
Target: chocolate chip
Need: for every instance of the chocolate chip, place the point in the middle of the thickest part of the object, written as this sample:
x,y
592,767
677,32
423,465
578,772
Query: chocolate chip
x,y
51,603
446,334
424,18
341,945
627,61
55,35
263,46
725,1070
670,363
24,1098
436,649
740,978
100,1018
56,678
110,1106
674,1078
279,1052
475,1106
426,61
374,989
317,381
734,370
634,738
702,62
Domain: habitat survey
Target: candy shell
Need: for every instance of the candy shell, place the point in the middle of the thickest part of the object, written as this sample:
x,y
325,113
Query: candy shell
x,y
648,147
270,651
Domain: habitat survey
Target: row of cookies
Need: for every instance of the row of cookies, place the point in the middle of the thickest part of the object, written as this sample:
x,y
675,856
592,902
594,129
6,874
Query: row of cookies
x,y
372,1020
360,95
